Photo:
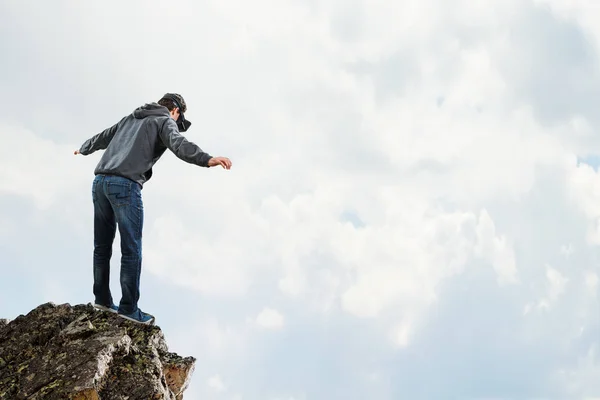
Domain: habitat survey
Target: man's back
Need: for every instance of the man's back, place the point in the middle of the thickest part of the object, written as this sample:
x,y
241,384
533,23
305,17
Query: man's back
x,y
137,142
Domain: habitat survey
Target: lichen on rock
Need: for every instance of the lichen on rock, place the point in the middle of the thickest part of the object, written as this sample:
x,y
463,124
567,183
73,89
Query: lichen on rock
x,y
78,352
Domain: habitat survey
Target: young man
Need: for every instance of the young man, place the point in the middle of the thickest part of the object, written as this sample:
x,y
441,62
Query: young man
x,y
133,146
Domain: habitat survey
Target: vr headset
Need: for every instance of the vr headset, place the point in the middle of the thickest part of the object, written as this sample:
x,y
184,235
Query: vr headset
x,y
182,123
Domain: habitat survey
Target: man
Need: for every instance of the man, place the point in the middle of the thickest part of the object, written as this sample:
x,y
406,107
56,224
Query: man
x,y
133,146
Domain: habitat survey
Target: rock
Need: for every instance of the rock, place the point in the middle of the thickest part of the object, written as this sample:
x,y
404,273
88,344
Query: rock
x,y
178,372
80,353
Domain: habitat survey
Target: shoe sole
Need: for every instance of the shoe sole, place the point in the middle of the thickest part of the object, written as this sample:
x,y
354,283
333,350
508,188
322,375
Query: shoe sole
x,y
150,322
102,308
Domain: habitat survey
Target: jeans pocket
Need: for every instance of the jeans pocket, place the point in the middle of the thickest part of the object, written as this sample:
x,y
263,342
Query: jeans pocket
x,y
94,195
119,193
95,184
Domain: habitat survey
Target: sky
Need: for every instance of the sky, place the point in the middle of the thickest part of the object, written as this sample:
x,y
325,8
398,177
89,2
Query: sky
x,y
413,210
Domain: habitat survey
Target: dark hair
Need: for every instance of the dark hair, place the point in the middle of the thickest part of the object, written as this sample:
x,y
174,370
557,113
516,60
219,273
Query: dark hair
x,y
167,103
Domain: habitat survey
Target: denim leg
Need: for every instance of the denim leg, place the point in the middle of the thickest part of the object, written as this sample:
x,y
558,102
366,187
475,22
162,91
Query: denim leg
x,y
126,199
104,235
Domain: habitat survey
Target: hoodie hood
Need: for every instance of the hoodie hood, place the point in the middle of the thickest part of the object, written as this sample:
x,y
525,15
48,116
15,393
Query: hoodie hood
x,y
151,109
156,110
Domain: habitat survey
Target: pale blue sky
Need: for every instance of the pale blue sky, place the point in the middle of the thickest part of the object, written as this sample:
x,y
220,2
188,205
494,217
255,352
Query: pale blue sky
x,y
370,241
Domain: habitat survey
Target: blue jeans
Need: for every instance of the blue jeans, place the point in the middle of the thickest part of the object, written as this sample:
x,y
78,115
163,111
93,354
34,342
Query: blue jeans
x,y
117,202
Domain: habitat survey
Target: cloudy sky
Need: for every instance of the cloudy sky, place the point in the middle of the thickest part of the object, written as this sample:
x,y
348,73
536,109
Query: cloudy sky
x,y
413,210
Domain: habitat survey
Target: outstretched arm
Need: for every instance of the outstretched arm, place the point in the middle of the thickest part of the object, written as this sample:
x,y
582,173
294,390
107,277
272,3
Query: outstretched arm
x,y
99,141
181,147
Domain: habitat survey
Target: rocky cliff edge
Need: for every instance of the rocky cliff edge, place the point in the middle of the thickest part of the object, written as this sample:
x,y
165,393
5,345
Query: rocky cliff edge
x,y
80,353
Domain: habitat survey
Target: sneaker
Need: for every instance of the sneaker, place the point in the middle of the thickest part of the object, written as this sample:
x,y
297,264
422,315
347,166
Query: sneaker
x,y
139,317
113,308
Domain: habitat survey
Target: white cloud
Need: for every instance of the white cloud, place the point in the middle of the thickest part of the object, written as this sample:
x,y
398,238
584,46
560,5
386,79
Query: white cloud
x,y
215,339
215,383
555,286
556,283
270,319
198,262
584,374
30,164
591,282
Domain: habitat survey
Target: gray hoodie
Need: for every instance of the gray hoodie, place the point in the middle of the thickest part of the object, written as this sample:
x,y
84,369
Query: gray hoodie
x,y
134,144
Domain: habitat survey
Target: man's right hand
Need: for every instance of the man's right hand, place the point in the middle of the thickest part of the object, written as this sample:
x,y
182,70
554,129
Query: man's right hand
x,y
223,161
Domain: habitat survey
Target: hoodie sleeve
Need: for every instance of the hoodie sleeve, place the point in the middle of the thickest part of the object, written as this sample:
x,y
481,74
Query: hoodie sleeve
x,y
99,141
181,147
